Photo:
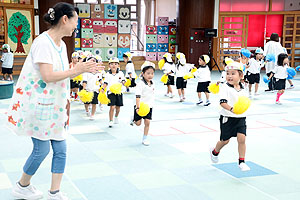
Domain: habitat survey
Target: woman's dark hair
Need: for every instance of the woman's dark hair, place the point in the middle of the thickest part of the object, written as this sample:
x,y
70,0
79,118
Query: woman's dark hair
x,y
281,58
59,10
148,67
274,37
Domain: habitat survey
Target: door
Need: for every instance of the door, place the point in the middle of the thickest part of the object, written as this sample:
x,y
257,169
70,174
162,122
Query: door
x,y
198,45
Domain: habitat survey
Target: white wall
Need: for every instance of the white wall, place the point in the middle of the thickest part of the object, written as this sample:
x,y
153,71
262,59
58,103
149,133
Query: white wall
x,y
36,19
166,8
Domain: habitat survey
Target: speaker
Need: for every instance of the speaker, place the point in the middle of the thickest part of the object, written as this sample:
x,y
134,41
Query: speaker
x,y
209,32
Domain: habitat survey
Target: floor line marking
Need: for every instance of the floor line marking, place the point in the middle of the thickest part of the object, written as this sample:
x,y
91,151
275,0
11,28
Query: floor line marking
x,y
76,188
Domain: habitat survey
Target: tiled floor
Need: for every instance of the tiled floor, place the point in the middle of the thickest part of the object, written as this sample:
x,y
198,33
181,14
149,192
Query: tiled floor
x,y
112,164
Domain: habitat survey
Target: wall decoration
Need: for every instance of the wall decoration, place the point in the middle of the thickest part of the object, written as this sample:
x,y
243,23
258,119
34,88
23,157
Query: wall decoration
x,y
99,25
97,11
86,43
84,10
172,30
111,26
86,23
124,40
109,53
99,52
97,39
79,23
77,43
162,38
152,56
160,55
87,33
110,39
162,47
171,48
78,33
87,49
121,51
172,39
163,21
151,47
124,26
110,11
124,12
163,30
151,38
19,28
151,30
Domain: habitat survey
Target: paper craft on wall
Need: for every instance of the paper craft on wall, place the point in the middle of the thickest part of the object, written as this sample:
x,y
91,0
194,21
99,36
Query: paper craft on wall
x,y
162,38
97,39
110,11
151,47
151,30
86,23
163,30
124,12
99,25
151,38
97,11
111,26
87,33
152,56
163,21
124,26
121,51
124,40
110,39
87,42
84,10
77,43
109,53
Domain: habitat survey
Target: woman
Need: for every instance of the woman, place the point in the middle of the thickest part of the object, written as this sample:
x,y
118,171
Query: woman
x,y
272,47
40,105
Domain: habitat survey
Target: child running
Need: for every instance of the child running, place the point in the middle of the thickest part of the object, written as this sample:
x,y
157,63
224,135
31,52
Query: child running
x,y
74,84
231,124
7,61
145,93
130,72
169,69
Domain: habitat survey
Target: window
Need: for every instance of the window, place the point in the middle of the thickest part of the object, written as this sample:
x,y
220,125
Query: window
x,y
131,2
79,1
92,1
119,2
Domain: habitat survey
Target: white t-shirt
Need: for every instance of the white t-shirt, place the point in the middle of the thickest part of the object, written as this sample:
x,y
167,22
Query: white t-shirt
x,y
181,70
145,92
203,74
7,60
169,68
255,66
223,77
280,72
228,94
130,69
275,48
111,79
93,81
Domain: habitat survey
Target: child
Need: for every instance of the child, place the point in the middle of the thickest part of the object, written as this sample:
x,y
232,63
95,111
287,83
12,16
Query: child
x,y
203,76
280,74
114,75
145,93
130,72
169,69
291,84
245,54
7,61
74,85
182,68
231,124
91,83
255,64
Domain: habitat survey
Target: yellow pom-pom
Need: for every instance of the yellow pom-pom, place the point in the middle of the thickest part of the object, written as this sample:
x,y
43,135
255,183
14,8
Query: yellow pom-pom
x,y
116,88
144,109
214,88
193,70
102,98
85,96
164,78
188,76
128,83
242,104
161,63
78,78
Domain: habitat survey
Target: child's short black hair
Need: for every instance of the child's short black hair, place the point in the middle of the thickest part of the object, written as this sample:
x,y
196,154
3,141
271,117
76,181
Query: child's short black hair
x,y
281,58
147,67
274,37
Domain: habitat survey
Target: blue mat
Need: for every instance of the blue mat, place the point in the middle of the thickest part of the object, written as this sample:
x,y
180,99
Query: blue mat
x,y
234,170
90,137
294,99
295,129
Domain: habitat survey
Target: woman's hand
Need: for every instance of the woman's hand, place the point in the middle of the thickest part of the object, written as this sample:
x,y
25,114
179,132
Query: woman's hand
x,y
88,66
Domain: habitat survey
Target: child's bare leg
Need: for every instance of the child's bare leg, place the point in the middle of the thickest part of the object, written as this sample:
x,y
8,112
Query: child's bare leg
x,y
147,126
118,108
199,95
138,123
220,144
86,106
250,88
179,92
241,138
11,77
207,96
111,112
93,109
182,91
256,87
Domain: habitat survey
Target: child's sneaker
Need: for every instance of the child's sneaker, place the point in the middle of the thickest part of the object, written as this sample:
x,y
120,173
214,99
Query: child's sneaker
x,y
213,158
171,95
200,101
291,87
146,142
131,121
92,117
87,113
110,124
278,103
256,94
29,192
244,167
58,196
167,95
116,120
207,103
181,100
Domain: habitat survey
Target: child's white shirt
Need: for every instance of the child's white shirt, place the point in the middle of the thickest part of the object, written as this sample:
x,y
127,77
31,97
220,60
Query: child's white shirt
x,y
145,92
203,74
181,70
280,72
255,66
92,81
130,69
111,79
228,94
7,60
169,68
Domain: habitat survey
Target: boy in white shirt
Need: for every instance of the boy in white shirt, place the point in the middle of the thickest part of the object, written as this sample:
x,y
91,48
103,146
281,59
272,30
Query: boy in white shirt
x,y
255,64
7,61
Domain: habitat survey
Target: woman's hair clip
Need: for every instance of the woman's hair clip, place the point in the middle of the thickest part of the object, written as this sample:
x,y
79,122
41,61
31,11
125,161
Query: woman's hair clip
x,y
51,12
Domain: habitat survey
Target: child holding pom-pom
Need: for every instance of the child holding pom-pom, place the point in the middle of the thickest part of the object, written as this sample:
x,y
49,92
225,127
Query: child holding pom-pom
x,y
182,68
144,97
91,83
232,120
280,74
169,70
203,76
113,80
74,84
130,72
